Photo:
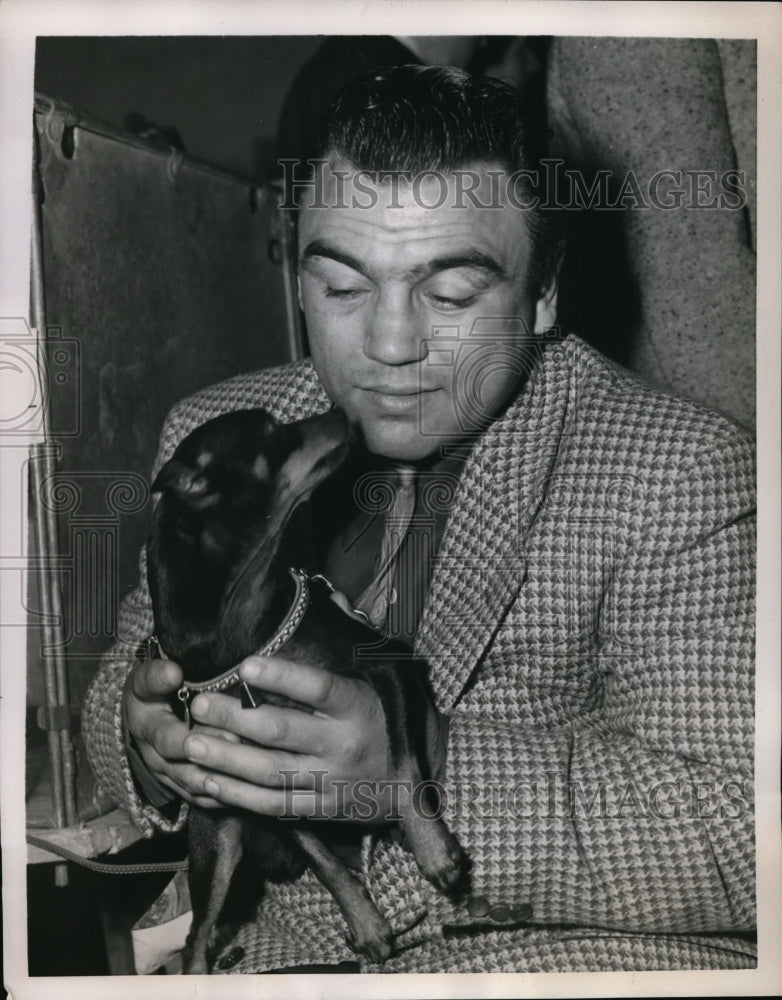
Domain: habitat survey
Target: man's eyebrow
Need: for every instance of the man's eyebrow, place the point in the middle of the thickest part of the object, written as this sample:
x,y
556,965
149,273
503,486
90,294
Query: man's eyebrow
x,y
320,248
472,258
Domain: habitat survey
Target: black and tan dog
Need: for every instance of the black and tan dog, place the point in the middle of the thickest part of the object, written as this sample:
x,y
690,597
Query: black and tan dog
x,y
221,591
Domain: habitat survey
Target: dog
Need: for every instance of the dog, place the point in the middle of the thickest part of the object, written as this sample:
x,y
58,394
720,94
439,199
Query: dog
x,y
221,587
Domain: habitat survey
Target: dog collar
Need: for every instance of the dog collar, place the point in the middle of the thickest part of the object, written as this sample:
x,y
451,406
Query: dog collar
x,y
290,623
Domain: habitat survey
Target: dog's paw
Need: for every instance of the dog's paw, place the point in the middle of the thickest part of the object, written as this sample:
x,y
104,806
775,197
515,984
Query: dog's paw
x,y
443,861
194,961
373,937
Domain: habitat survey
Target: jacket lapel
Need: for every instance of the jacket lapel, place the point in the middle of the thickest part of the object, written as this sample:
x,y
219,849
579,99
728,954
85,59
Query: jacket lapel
x,y
480,567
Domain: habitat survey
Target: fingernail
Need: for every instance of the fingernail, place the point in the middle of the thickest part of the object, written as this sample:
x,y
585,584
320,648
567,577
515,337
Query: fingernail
x,y
195,747
251,670
211,786
200,705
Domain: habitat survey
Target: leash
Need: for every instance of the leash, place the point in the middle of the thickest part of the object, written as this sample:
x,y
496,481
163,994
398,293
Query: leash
x,y
104,868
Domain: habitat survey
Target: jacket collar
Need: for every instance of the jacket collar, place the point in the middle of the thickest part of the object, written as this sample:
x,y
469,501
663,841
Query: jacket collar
x,y
481,564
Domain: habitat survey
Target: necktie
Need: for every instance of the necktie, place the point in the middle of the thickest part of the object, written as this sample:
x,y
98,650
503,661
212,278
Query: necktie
x,y
376,598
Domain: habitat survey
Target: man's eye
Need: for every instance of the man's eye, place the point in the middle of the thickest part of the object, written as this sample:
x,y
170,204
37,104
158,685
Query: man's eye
x,y
346,294
448,302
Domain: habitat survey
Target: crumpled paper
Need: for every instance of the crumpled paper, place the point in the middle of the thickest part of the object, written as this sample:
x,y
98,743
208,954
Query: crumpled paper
x,y
159,935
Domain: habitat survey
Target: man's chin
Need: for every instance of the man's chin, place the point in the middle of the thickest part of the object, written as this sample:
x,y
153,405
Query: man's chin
x,y
401,444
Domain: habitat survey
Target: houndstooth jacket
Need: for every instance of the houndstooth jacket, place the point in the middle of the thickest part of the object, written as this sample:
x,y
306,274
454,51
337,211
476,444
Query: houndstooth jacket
x,y
589,629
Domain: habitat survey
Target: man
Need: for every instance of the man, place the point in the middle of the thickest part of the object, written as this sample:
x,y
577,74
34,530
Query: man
x,y
588,619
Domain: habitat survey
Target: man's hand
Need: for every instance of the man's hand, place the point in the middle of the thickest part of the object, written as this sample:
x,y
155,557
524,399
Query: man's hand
x,y
324,753
158,734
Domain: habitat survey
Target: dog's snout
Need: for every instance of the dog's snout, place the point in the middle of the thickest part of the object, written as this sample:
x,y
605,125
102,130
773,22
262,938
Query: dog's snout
x,y
168,477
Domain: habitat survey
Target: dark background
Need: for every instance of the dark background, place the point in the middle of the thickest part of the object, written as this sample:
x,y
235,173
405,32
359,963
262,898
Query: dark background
x,y
223,95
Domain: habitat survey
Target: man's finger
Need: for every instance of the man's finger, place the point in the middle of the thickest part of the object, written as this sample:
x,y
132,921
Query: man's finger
x,y
267,801
168,739
267,725
195,799
250,763
155,680
322,690
223,734
184,777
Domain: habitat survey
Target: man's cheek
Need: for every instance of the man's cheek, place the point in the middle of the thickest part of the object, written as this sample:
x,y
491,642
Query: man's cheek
x,y
326,355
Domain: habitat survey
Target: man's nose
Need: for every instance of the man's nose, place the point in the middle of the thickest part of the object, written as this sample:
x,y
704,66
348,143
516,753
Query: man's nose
x,y
395,336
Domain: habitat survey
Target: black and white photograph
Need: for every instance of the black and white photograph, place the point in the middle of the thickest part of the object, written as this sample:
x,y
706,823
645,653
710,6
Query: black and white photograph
x,y
390,499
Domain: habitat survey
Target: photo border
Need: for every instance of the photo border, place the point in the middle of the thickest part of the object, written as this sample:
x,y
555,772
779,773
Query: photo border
x,y
20,21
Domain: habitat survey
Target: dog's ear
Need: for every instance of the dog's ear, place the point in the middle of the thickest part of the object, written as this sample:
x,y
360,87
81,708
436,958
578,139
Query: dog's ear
x,y
182,479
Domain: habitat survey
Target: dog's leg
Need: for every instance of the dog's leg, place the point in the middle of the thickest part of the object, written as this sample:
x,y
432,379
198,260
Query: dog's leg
x,y
368,931
215,851
436,850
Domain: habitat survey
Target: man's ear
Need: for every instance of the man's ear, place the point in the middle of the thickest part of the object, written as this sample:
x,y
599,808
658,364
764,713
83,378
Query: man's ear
x,y
298,292
546,308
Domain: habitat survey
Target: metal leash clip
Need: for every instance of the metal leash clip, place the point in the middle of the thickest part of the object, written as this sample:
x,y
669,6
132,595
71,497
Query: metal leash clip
x,y
185,695
149,649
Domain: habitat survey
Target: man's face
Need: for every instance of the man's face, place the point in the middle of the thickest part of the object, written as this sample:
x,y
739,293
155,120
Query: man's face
x,y
414,312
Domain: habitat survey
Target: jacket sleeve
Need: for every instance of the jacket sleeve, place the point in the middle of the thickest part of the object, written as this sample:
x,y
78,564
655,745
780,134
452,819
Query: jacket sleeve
x,y
102,716
636,816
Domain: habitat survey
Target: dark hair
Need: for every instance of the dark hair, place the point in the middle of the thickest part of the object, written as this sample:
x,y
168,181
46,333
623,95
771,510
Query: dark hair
x,y
427,118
